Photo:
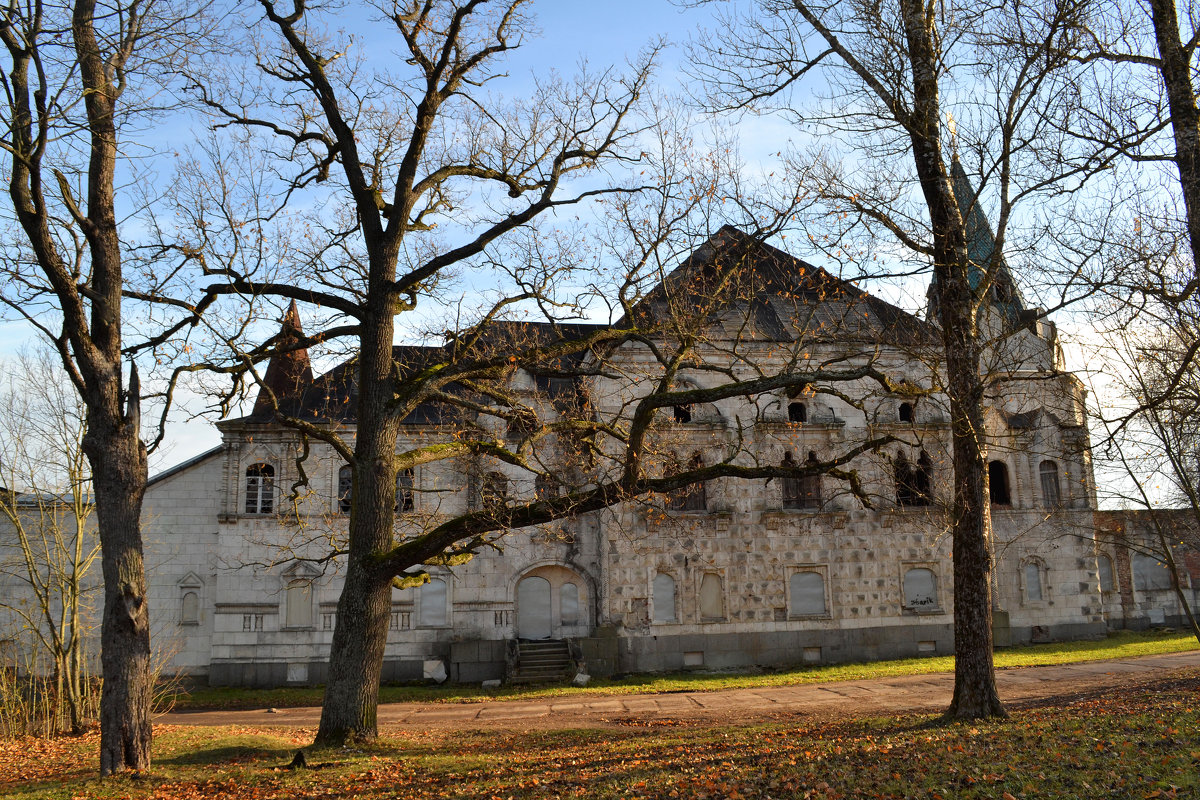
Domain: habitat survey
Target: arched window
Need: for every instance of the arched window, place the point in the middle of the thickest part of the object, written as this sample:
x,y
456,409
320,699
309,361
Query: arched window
x,y
712,598
1051,497
807,593
298,612
692,497
345,489
568,604
190,611
682,413
406,499
1032,574
260,489
906,412
797,412
913,483
664,598
920,588
998,487
1105,567
432,604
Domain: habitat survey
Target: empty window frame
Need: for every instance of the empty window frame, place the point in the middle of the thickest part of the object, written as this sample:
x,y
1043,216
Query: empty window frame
x,y
806,594
920,588
345,489
694,496
907,413
664,599
406,498
797,412
802,491
999,489
682,413
913,481
1051,495
493,490
260,489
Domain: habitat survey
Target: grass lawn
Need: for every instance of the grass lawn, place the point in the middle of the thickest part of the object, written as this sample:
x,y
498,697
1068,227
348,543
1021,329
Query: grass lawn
x,y
1142,744
1124,644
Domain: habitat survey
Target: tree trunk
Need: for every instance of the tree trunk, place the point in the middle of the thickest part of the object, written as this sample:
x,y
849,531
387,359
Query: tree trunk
x,y
348,712
975,693
1175,68
118,460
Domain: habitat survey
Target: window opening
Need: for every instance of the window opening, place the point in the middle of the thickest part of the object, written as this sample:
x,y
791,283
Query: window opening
x,y
260,489
998,487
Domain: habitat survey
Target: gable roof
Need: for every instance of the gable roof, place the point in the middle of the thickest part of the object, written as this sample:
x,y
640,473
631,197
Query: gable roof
x,y
784,298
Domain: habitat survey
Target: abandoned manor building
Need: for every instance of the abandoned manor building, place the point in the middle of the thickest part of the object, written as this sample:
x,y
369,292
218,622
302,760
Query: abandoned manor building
x,y
728,573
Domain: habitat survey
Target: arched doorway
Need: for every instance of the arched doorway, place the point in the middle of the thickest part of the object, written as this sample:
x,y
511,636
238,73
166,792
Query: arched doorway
x,y
552,603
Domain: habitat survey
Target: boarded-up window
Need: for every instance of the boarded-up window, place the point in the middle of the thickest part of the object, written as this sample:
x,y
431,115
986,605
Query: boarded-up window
x,y
190,613
1150,574
920,588
1104,565
1051,497
664,598
433,604
1033,582
568,604
712,598
807,590
298,613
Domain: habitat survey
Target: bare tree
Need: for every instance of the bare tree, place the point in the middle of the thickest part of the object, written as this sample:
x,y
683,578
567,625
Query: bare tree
x,y
435,185
51,544
925,83
1154,447
75,73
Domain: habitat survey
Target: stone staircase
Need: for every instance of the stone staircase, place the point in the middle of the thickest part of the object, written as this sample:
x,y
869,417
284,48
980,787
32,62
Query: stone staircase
x,y
544,661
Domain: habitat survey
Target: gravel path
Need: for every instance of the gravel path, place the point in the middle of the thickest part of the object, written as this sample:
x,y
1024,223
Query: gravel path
x,y
864,698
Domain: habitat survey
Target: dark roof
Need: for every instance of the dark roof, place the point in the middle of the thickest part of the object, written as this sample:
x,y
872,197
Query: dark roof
x,y
289,371
785,297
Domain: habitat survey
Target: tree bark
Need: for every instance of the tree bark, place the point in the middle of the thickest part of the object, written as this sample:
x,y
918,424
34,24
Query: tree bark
x,y
1175,67
118,460
348,712
975,693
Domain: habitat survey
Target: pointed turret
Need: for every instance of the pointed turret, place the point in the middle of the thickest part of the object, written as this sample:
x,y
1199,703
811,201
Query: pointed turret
x,y
288,371
981,245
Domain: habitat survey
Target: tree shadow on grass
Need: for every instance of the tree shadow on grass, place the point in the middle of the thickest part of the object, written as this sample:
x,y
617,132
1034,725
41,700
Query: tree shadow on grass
x,y
228,754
